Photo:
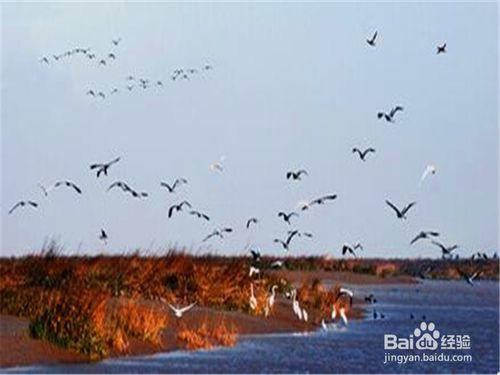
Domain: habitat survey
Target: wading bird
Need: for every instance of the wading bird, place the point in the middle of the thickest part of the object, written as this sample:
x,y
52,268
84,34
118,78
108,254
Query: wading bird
x,y
252,301
401,214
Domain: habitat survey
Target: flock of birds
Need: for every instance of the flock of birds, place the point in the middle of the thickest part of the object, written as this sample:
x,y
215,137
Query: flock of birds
x,y
102,170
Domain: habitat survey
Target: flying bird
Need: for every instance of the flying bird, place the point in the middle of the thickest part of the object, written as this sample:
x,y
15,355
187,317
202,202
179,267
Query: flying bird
x,y
371,41
430,169
177,182
217,165
446,250
178,207
424,235
103,236
178,312
469,278
295,175
44,60
389,117
103,167
252,220
401,214
219,233
255,255
362,154
68,184
112,56
286,216
22,204
127,189
199,215
441,49
348,248
320,201
116,41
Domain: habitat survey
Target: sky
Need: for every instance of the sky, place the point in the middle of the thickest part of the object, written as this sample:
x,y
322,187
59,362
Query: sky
x,y
292,86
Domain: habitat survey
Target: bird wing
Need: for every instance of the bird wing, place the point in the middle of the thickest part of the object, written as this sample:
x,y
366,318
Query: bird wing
x,y
187,308
170,188
440,245
393,207
77,189
15,206
171,210
407,208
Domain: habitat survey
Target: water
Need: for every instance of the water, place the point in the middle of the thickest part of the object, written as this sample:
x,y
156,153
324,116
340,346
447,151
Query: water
x,y
454,308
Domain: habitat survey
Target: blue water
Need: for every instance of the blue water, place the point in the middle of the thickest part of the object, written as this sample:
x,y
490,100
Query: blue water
x,y
454,308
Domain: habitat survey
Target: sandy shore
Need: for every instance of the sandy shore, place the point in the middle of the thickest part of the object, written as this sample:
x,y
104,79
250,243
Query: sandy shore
x,y
17,348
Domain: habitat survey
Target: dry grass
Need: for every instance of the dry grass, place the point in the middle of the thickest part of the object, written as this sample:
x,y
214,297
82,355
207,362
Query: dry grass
x,y
206,335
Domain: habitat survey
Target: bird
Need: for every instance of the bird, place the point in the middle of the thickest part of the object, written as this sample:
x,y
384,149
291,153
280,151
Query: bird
x,y
441,48
424,235
389,117
323,325
295,304
255,255
177,182
199,215
469,278
276,264
208,67
44,60
286,216
116,41
446,250
101,94
371,41
401,214
103,236
345,292
295,175
127,189
219,233
178,207
362,154
68,184
22,204
348,248
102,62
114,91
91,92
370,298
253,270
430,169
252,301
343,315
112,56
217,165
374,314
423,272
305,316
178,312
286,243
479,255
159,83
103,167
252,220
320,200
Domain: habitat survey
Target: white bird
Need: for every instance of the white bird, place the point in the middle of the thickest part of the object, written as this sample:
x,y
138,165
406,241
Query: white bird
x,y
253,300
304,315
178,311
323,325
295,305
334,312
217,165
253,270
342,315
430,169
272,297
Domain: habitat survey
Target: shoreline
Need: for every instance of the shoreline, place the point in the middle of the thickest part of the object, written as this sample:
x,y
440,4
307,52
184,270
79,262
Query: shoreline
x,y
18,349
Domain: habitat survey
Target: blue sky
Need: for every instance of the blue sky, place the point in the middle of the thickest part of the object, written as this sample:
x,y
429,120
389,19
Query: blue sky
x,y
293,86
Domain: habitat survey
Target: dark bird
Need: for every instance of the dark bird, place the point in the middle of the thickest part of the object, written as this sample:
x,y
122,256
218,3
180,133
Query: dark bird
x,y
103,236
446,250
114,91
479,255
112,56
348,248
102,62
103,167
469,278
296,175
177,182
116,41
91,92
362,154
22,204
127,189
255,255
320,200
219,233
441,49
424,235
208,67
159,83
68,184
401,214
370,298
371,41
389,117
252,220
343,292
178,207
286,243
130,87
375,315
423,273
101,94
286,216
199,215
44,60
